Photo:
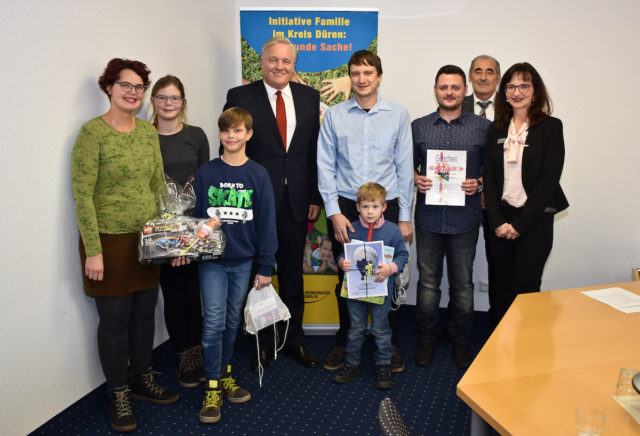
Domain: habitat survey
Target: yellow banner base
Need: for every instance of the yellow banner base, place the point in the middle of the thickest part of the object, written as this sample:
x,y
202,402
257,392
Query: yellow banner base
x,y
320,305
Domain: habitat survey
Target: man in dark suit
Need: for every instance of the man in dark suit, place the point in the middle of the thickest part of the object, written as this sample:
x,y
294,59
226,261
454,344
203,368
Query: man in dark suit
x,y
484,75
285,133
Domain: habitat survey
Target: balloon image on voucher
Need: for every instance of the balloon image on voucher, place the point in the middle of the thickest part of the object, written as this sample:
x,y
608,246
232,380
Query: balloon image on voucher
x,y
365,258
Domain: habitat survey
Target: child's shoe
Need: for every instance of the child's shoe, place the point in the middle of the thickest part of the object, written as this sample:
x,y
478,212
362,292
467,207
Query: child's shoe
x,y
210,412
231,390
383,377
346,374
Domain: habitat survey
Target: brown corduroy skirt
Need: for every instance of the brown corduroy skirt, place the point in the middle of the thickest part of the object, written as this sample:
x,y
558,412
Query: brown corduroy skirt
x,y
123,274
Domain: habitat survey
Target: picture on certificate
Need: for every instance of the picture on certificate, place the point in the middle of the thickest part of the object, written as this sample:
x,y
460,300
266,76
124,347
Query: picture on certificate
x,y
365,258
447,169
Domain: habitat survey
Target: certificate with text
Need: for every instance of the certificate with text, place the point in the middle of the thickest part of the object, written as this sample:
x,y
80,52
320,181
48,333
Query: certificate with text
x,y
447,170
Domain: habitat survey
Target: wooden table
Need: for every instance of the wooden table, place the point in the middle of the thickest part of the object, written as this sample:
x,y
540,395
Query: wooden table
x,y
552,351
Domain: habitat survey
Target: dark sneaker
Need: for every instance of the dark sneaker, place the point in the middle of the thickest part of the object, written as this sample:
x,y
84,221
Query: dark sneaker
x,y
143,388
231,390
335,359
397,362
462,355
424,354
120,412
198,361
187,375
346,374
383,377
210,412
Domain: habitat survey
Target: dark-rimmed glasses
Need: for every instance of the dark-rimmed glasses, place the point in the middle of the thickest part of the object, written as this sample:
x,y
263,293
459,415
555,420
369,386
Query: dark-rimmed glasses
x,y
126,87
524,88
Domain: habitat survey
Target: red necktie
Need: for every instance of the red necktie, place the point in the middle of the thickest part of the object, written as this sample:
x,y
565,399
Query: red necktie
x,y
281,118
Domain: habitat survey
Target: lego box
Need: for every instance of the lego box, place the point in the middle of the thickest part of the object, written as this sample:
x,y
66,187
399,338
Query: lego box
x,y
162,240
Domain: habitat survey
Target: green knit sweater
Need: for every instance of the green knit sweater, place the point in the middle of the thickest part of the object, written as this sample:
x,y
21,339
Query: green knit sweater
x,y
114,179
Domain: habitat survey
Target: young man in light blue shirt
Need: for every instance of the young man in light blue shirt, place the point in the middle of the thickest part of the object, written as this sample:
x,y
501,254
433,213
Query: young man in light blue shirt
x,y
364,139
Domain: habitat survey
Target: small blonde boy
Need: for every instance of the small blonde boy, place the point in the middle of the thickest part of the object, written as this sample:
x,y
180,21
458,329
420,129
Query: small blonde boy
x,y
371,203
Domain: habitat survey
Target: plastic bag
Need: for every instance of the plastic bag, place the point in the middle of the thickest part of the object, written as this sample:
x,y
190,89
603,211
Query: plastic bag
x,y
402,283
264,308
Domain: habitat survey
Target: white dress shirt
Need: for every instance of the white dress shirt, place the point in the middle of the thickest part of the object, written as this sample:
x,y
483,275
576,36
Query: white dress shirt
x,y
490,111
288,105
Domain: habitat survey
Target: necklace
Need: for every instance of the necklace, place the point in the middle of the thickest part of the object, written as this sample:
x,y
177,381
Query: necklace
x,y
122,128
172,130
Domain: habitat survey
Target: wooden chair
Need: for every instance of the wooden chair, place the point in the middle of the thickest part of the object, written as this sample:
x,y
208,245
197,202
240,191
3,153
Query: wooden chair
x,y
636,273
391,423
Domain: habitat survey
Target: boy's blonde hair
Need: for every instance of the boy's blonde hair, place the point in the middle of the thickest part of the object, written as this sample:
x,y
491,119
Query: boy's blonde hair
x,y
372,192
235,116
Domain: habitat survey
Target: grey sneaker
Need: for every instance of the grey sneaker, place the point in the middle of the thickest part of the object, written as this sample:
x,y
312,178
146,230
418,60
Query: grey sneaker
x,y
210,412
144,388
231,390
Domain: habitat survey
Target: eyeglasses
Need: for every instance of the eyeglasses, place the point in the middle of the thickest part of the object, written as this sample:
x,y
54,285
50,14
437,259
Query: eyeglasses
x,y
126,87
524,88
164,98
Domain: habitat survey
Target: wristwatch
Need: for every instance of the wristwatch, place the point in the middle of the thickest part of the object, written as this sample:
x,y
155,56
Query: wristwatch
x,y
479,185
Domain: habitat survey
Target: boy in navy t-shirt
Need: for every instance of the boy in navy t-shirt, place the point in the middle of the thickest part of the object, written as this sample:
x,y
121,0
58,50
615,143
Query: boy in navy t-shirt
x,y
238,192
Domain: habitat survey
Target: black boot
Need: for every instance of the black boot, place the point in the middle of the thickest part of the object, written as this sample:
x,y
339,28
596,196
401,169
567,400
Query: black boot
x,y
186,370
144,388
120,412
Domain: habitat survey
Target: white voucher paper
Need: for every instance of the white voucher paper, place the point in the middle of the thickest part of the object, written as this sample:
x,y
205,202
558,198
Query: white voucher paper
x,y
447,170
618,298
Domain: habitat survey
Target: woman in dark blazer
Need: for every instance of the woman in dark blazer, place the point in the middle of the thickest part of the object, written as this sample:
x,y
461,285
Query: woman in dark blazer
x,y
522,168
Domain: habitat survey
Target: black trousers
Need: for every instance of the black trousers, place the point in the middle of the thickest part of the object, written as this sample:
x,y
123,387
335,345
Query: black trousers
x,y
182,305
289,258
486,233
348,209
518,263
125,334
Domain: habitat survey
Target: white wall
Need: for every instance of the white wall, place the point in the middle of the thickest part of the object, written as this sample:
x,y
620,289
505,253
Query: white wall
x,y
53,52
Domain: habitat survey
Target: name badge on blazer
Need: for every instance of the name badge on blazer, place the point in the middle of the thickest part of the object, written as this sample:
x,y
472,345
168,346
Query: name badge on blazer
x,y
501,140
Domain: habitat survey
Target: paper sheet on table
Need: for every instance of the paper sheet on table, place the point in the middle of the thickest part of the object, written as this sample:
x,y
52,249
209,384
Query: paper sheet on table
x,y
618,298
631,404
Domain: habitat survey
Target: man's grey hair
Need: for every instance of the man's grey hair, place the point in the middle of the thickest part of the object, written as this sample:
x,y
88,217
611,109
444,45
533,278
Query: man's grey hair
x,y
484,56
280,40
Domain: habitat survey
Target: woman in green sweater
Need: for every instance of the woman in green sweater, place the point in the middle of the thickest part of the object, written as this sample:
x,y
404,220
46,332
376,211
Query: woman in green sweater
x,y
116,169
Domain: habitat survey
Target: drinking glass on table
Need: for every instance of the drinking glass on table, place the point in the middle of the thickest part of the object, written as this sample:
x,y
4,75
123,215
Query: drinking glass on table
x,y
625,393
590,420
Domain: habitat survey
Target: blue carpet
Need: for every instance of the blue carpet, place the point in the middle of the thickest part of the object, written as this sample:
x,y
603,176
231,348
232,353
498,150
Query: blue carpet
x,y
296,400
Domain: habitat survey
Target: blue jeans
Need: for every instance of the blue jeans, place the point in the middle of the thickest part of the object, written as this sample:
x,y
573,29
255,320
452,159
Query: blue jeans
x,y
224,289
358,311
460,251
